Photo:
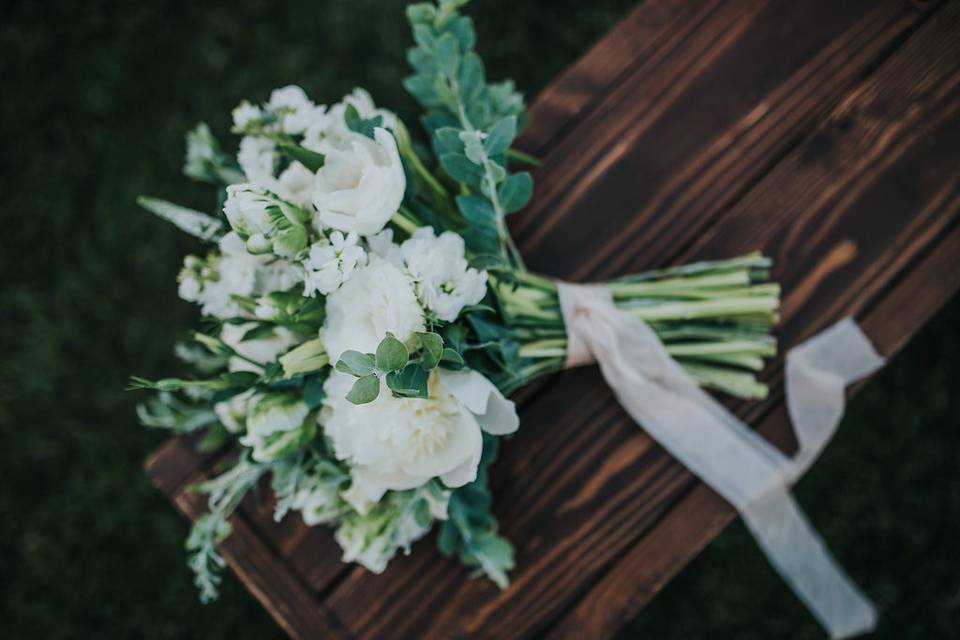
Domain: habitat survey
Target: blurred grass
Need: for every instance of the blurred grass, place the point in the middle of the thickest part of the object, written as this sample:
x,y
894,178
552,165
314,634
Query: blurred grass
x,y
97,96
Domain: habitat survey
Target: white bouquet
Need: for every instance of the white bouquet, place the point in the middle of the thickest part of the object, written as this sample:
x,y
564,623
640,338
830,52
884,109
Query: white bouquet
x,y
369,313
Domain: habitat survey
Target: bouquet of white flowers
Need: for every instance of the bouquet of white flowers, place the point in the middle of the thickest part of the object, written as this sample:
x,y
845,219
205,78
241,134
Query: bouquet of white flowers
x,y
368,311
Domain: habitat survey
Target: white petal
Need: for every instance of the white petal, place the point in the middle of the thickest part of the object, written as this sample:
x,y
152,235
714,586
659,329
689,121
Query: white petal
x,y
495,414
464,443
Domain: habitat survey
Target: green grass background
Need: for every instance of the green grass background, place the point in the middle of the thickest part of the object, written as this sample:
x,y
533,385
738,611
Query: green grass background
x,y
96,97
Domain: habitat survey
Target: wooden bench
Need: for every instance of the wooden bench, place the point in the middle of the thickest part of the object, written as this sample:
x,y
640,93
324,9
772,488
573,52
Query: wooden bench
x,y
823,133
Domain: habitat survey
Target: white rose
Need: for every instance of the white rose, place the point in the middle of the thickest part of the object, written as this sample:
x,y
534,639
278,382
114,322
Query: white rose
x,y
247,211
401,443
376,299
445,282
361,184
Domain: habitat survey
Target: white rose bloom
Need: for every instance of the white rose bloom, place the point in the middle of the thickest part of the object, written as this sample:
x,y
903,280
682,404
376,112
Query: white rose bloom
x,y
401,443
329,265
376,299
445,282
258,158
247,211
245,114
264,350
361,184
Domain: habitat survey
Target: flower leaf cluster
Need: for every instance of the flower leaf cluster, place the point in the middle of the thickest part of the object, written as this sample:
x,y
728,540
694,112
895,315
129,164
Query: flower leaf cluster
x,y
406,377
471,123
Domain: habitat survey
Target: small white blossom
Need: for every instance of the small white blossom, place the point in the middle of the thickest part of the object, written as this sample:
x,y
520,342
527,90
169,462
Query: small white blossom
x,y
245,114
445,281
233,412
382,244
258,158
290,97
329,265
275,423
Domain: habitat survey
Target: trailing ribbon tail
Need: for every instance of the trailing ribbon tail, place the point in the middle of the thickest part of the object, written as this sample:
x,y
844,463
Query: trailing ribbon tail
x,y
735,461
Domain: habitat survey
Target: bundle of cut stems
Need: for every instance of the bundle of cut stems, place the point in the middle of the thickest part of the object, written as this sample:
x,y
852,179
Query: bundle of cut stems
x,y
713,317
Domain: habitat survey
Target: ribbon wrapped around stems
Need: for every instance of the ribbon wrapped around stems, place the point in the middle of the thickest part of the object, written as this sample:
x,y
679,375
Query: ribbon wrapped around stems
x,y
736,462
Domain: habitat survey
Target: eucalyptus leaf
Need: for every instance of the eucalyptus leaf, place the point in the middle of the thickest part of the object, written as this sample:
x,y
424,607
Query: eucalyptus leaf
x,y
432,345
460,168
452,359
409,382
365,389
391,354
356,363
515,192
500,136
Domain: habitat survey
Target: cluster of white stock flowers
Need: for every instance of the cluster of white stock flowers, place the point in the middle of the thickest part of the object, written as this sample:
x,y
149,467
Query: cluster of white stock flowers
x,y
397,287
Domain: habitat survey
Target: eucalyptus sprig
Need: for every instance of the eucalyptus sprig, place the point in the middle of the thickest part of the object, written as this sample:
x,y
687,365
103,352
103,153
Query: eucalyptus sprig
x,y
471,124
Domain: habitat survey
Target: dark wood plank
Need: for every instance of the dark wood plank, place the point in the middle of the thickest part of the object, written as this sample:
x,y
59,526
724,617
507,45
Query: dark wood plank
x,y
572,95
702,514
584,482
694,126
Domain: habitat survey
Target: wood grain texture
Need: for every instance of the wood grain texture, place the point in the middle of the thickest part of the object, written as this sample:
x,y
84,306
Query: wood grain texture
x,y
582,482
576,92
677,137
702,514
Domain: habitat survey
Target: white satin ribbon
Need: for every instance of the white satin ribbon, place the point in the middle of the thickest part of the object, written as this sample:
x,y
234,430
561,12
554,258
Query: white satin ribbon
x,y
735,461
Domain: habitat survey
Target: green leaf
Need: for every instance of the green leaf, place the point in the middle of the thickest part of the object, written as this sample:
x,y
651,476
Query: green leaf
x,y
515,192
448,54
365,389
310,159
409,382
195,223
472,78
481,234
313,393
500,136
460,168
391,354
447,140
359,125
356,363
432,345
259,332
452,360
422,88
